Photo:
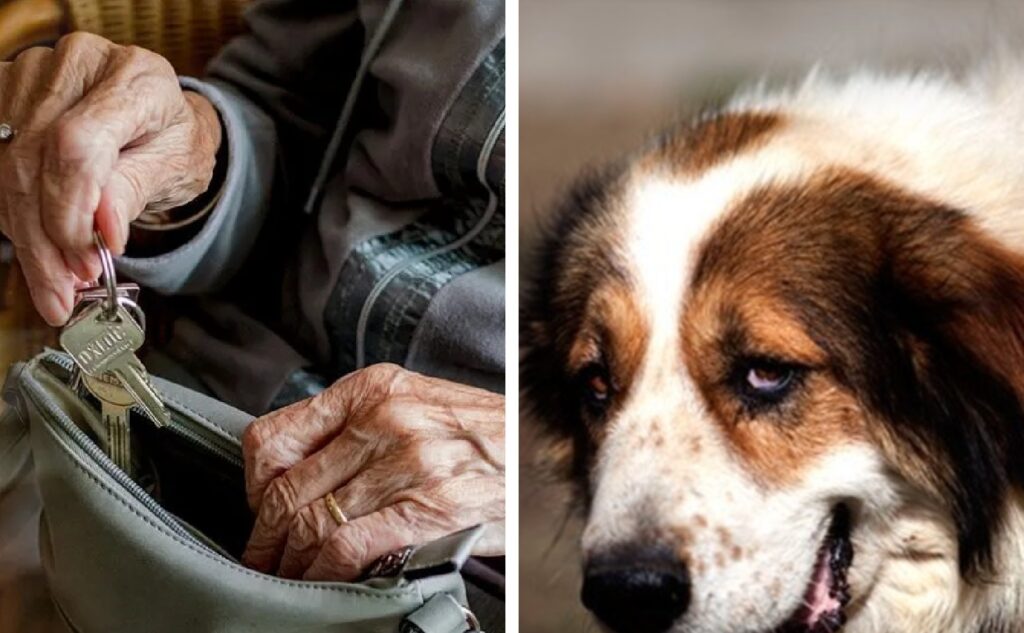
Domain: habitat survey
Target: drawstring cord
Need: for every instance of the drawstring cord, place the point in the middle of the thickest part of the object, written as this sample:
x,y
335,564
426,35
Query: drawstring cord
x,y
387,20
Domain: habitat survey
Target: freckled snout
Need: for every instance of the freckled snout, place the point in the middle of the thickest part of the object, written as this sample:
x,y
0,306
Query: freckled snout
x,y
637,589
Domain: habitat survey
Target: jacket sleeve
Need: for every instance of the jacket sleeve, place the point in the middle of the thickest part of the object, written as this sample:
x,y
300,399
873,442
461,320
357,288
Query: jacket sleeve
x,y
276,89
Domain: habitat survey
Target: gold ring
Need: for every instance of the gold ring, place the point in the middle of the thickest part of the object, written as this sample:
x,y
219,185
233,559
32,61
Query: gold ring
x,y
332,507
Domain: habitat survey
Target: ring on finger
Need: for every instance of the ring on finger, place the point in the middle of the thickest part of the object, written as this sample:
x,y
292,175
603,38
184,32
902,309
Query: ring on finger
x,y
334,509
7,133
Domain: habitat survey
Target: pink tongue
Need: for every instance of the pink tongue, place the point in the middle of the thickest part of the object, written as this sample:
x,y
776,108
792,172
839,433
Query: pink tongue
x,y
818,600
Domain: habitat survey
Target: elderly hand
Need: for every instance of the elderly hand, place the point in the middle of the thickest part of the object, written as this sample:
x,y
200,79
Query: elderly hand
x,y
407,457
102,132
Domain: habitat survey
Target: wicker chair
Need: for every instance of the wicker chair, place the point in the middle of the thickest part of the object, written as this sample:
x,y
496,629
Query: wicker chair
x,y
186,32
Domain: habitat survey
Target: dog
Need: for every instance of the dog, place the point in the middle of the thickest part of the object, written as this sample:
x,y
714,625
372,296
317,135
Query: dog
x,y
780,351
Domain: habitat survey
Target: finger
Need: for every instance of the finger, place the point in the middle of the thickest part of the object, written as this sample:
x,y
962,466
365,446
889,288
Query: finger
x,y
314,524
49,280
308,481
354,546
21,79
369,491
133,101
278,441
492,541
130,187
86,266
110,221
134,185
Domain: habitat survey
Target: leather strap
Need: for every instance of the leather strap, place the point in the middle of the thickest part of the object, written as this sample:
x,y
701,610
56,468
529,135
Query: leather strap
x,y
441,614
445,555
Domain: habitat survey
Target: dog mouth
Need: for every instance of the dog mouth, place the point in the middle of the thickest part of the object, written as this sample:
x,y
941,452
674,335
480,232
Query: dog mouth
x,y
828,591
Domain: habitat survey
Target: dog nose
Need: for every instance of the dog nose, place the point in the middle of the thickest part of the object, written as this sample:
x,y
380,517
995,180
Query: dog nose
x,y
636,591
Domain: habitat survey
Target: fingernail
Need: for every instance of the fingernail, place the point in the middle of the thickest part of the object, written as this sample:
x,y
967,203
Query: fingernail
x,y
80,267
52,306
76,264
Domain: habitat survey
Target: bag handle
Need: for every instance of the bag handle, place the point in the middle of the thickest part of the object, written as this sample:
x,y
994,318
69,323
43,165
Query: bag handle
x,y
440,614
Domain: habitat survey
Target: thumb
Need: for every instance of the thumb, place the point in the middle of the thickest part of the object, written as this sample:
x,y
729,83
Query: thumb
x,y
130,188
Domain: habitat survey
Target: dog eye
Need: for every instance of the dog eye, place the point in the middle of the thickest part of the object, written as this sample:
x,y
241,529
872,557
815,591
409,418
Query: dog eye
x,y
765,382
768,380
596,386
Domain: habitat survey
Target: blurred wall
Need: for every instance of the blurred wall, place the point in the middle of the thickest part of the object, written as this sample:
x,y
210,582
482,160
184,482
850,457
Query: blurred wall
x,y
596,77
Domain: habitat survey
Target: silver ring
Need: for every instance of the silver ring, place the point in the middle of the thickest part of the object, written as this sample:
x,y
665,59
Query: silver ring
x,y
136,311
109,276
6,133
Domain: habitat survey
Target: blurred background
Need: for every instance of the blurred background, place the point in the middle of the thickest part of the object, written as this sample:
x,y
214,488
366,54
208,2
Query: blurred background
x,y
597,77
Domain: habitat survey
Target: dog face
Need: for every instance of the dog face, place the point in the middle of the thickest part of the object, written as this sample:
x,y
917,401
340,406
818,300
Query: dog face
x,y
787,386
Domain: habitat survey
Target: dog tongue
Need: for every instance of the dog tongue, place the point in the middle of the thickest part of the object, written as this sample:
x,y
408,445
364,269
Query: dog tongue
x,y
821,601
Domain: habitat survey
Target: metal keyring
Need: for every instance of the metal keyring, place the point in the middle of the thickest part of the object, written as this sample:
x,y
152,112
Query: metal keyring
x,y
136,310
109,275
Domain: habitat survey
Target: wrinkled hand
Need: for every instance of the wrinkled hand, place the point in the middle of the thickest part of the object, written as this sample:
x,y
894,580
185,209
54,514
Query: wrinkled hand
x,y
103,132
408,458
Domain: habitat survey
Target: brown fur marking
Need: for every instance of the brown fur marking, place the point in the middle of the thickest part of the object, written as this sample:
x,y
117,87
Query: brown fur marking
x,y
697,147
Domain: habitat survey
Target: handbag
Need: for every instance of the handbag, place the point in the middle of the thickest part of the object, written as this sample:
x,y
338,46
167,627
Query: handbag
x,y
158,551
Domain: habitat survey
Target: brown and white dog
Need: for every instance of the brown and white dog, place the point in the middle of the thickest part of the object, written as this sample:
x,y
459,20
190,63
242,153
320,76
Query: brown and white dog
x,y
783,349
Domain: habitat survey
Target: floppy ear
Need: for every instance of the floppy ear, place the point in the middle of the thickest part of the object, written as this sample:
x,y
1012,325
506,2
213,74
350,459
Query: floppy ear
x,y
561,270
949,329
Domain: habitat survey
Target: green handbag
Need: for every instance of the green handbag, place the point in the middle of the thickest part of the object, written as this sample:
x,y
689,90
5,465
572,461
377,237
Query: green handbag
x,y
157,552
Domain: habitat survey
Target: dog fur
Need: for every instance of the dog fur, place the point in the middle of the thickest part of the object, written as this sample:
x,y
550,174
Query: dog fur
x,y
866,229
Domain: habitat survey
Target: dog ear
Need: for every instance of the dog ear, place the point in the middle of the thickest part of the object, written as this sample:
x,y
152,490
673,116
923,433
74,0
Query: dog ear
x,y
949,329
560,270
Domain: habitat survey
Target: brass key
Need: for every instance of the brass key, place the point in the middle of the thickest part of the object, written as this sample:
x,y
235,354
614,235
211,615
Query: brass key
x,y
115,404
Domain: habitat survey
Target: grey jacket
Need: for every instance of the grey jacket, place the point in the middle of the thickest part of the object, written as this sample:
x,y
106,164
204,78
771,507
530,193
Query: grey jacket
x,y
362,214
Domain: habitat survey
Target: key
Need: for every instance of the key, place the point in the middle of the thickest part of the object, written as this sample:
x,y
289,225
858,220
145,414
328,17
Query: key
x,y
127,295
98,292
99,343
115,405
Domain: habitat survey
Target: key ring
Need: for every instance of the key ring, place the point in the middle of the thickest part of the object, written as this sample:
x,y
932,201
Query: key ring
x,y
135,309
109,275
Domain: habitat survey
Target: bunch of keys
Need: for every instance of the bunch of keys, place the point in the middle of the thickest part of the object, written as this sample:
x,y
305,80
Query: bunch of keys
x,y
108,327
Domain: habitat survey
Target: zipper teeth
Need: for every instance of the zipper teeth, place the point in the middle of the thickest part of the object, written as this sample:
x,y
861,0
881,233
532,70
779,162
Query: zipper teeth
x,y
104,461
177,427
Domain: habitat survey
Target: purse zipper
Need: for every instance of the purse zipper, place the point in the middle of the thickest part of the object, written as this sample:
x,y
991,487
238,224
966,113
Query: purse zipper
x,y
68,427
180,428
